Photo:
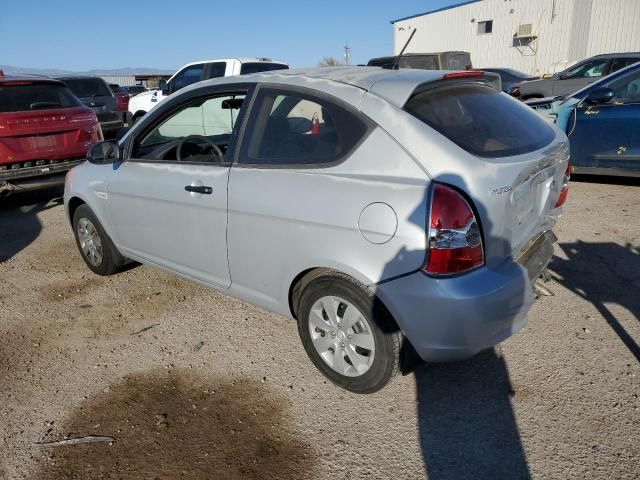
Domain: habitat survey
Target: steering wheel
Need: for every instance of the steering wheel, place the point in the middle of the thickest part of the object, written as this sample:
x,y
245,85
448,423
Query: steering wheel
x,y
190,139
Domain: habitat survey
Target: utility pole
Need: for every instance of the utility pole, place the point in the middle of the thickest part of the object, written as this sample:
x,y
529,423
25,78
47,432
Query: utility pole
x,y
347,53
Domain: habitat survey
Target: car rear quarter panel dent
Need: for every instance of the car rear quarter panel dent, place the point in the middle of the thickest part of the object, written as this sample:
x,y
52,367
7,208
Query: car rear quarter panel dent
x,y
285,221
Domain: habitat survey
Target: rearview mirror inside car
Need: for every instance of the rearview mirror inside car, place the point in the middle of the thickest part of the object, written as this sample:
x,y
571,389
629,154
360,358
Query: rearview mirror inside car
x,y
600,95
232,103
103,153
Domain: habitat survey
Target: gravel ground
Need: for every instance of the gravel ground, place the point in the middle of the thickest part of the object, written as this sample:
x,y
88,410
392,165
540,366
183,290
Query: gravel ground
x,y
194,384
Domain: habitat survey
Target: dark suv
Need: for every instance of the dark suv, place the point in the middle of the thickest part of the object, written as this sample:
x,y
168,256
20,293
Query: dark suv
x,y
577,76
96,94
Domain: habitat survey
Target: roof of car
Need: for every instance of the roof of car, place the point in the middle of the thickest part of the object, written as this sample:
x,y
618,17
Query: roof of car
x,y
394,85
623,54
23,77
78,77
239,59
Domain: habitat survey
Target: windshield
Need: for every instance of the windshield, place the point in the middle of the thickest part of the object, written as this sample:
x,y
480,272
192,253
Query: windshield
x,y
87,87
35,96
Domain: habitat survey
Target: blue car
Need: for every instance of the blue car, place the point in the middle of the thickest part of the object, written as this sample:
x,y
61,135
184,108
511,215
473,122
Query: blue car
x,y
602,122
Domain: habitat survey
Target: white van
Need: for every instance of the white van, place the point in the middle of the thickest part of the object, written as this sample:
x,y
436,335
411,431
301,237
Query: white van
x,y
195,72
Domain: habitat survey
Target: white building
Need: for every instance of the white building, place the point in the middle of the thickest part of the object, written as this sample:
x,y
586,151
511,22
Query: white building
x,y
534,36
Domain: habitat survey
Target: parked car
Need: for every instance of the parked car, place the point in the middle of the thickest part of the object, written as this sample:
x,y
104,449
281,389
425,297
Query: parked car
x,y
44,131
129,90
122,100
427,61
133,90
577,76
602,122
96,94
195,72
379,210
511,79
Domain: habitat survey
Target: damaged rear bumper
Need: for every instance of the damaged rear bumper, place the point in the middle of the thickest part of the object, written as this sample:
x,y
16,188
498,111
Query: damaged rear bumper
x,y
448,319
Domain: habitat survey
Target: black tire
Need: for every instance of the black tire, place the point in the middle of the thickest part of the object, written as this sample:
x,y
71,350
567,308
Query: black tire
x,y
387,337
112,260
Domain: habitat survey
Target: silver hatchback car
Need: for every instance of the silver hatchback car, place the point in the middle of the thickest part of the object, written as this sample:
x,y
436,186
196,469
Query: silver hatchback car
x,y
385,211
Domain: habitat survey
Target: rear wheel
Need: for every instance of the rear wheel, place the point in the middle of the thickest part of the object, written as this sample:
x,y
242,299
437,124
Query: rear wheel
x,y
96,248
348,334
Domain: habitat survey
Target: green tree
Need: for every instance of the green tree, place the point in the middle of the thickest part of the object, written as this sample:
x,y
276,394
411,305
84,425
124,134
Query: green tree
x,y
329,62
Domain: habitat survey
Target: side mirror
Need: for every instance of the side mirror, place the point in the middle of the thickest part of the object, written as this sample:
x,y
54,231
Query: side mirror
x,y
600,95
103,153
163,86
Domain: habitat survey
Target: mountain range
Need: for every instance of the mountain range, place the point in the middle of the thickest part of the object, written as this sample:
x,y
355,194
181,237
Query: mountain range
x,y
11,69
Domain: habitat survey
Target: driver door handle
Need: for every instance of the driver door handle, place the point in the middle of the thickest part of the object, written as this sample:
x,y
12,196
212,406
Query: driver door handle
x,y
199,189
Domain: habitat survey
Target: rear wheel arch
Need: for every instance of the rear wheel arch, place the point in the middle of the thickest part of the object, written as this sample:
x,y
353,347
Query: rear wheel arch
x,y
307,276
300,281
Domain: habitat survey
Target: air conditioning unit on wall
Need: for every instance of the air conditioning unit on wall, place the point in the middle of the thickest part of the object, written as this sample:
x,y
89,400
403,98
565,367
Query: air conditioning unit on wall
x,y
525,31
525,40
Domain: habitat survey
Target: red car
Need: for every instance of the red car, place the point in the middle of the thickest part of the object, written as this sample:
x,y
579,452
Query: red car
x,y
44,131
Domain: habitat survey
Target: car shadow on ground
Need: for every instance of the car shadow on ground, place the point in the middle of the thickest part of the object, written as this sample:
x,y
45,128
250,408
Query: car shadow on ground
x,y
466,423
603,273
467,427
19,223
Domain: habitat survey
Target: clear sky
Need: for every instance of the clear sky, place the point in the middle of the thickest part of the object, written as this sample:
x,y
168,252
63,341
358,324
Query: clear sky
x,y
87,34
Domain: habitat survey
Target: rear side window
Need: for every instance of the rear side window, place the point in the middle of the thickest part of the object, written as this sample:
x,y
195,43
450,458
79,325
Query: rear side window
x,y
88,87
36,96
481,120
619,63
261,67
217,69
289,128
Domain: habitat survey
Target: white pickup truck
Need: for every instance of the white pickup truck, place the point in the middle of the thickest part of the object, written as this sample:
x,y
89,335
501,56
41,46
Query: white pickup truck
x,y
195,72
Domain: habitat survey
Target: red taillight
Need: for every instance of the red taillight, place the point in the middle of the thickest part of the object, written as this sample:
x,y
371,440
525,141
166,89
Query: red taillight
x,y
469,73
565,186
455,242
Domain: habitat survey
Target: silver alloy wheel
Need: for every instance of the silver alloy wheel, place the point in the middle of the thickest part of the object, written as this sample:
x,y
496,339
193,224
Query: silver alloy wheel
x,y
342,336
90,242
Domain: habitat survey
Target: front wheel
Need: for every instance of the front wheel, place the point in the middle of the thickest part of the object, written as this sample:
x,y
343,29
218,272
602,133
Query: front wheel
x,y
96,248
348,334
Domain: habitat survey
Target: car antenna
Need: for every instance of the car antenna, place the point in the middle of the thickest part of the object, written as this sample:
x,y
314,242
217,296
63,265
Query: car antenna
x,y
396,65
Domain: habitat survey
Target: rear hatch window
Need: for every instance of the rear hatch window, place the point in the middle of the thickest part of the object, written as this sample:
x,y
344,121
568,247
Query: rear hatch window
x,y
88,87
256,67
456,61
35,96
421,62
480,119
